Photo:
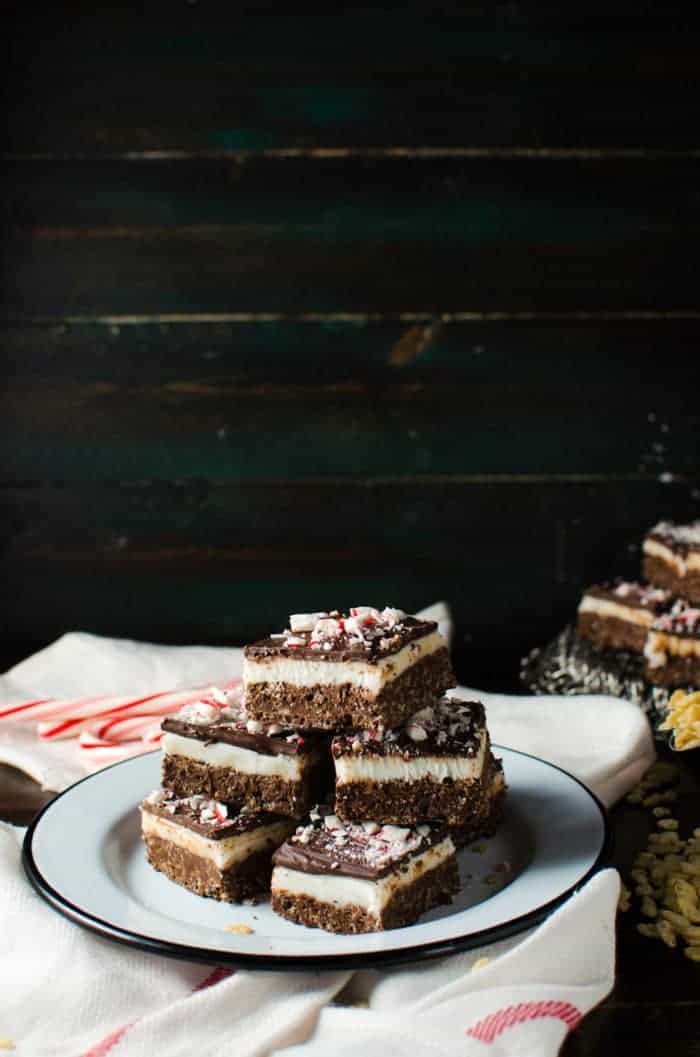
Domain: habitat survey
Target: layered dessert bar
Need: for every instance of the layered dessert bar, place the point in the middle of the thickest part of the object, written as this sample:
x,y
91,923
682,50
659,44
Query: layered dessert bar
x,y
672,650
212,848
212,747
485,823
672,558
438,766
364,669
362,877
618,616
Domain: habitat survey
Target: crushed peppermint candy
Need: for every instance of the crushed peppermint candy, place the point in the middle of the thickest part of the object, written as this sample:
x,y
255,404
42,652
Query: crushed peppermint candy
x,y
205,810
682,619
361,626
647,596
459,725
678,535
199,712
226,709
368,842
304,621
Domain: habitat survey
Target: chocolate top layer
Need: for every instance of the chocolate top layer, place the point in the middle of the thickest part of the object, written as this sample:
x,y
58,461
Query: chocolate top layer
x,y
679,538
220,716
449,728
683,620
210,818
344,638
632,594
363,849
287,743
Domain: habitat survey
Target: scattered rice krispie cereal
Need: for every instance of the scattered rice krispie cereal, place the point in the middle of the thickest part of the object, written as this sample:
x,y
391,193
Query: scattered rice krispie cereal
x,y
667,876
658,776
244,930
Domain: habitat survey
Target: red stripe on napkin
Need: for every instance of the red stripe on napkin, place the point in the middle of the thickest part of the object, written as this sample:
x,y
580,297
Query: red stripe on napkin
x,y
490,1027
101,1049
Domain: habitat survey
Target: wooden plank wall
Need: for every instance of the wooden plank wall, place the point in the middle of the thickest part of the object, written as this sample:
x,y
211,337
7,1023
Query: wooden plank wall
x,y
383,304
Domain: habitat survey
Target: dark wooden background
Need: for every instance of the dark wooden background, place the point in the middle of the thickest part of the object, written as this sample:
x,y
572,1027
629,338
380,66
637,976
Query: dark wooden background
x,y
389,304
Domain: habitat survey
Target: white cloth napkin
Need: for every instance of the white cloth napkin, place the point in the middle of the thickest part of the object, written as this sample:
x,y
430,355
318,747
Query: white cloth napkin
x,y
65,992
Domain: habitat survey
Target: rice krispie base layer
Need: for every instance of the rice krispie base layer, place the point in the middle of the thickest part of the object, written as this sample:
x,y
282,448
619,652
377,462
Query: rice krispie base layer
x,y
676,673
248,880
457,803
478,828
611,632
657,571
431,889
327,707
187,777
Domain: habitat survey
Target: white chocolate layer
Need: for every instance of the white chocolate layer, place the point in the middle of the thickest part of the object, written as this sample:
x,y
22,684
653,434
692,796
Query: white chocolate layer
x,y
603,608
681,565
221,754
371,896
659,646
223,853
365,676
393,768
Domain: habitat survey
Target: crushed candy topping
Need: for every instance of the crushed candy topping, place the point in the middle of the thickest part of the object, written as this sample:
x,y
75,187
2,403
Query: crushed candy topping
x,y
304,621
204,809
645,595
226,708
681,619
684,535
361,626
461,723
367,842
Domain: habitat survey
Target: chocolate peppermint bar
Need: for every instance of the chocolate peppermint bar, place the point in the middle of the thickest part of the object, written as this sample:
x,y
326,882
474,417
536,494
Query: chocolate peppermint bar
x,y
212,747
672,649
362,877
363,669
484,824
212,848
619,615
672,558
438,766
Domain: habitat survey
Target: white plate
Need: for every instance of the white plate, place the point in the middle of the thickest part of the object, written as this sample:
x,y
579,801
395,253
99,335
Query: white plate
x,y
84,855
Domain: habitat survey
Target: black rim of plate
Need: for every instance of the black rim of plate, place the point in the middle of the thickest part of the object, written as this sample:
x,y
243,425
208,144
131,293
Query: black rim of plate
x,y
274,963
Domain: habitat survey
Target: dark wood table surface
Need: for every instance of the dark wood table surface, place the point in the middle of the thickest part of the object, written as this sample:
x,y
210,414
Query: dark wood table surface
x,y
654,1007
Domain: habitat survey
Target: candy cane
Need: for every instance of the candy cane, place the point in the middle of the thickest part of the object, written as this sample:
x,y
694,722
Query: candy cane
x,y
108,728
98,753
124,728
56,709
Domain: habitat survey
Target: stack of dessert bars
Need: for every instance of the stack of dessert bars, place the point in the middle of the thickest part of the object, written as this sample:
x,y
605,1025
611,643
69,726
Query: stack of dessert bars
x,y
660,620
341,781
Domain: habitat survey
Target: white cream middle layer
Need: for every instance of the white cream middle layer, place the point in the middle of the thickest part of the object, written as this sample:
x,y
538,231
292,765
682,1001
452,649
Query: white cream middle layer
x,y
630,614
223,853
372,896
365,676
659,645
681,565
393,768
221,754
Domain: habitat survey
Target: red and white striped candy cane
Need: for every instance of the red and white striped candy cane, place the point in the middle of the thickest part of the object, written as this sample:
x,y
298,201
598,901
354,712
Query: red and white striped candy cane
x,y
65,718
108,728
